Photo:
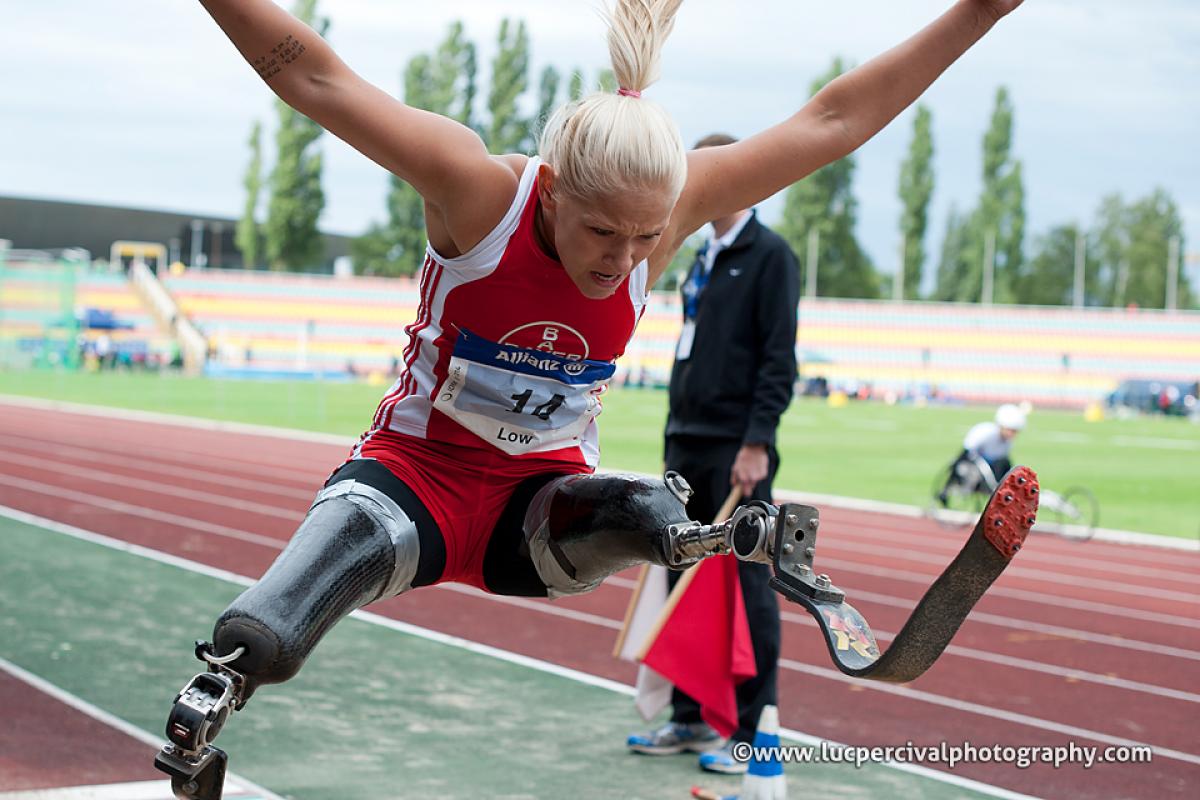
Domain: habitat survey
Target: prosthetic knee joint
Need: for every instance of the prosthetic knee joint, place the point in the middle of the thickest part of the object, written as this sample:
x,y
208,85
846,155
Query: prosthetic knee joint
x,y
582,528
355,546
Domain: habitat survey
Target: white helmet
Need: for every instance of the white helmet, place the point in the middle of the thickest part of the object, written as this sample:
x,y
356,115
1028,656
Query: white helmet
x,y
1010,416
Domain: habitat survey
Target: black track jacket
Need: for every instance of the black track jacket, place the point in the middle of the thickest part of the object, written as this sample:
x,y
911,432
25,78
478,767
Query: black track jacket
x,y
740,376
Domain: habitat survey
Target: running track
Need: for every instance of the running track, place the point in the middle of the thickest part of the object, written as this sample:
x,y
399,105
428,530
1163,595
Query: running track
x,y
1096,644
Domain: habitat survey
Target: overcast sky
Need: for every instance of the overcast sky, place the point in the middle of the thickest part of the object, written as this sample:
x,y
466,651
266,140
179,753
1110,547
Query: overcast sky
x,y
144,103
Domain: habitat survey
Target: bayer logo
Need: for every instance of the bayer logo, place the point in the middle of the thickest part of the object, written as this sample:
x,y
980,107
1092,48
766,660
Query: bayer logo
x,y
549,337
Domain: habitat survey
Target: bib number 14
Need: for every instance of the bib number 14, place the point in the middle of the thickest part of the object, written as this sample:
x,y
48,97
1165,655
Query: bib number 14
x,y
541,411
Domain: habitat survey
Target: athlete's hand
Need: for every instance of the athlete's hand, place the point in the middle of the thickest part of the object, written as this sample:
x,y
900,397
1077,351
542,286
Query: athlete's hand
x,y
749,467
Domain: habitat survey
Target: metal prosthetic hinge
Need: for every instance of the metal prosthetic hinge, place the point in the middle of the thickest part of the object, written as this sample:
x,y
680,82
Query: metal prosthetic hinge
x,y
747,534
793,550
202,707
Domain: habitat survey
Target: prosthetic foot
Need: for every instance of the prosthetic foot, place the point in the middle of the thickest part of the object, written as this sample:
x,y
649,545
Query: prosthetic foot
x,y
354,546
999,534
786,538
197,769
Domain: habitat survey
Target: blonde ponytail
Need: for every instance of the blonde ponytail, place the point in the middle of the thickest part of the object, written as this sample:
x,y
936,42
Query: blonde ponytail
x,y
637,31
609,142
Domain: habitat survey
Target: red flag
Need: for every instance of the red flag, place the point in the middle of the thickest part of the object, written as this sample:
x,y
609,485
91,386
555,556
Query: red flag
x,y
703,644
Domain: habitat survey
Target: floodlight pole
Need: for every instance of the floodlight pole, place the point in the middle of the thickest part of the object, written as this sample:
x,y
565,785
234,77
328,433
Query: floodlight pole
x,y
197,243
989,267
810,278
1173,273
1080,265
898,288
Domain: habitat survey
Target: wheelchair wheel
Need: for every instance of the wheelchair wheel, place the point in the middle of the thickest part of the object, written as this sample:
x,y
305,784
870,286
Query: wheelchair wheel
x,y
1074,513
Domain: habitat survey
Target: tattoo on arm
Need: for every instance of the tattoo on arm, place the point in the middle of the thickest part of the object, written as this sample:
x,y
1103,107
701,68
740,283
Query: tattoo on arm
x,y
281,55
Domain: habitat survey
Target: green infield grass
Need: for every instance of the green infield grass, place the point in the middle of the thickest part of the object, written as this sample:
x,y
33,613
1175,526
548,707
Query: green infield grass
x,y
1144,470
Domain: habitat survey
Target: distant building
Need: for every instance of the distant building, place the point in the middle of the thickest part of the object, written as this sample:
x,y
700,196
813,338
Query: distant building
x,y
55,225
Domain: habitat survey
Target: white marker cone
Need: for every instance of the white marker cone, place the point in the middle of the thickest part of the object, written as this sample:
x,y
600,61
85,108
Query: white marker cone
x,y
764,776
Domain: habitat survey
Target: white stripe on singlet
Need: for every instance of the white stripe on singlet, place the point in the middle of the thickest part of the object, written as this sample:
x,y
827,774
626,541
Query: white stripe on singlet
x,y
404,401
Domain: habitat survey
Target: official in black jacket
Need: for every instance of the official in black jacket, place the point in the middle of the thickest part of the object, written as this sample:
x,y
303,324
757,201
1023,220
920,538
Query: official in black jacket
x,y
735,366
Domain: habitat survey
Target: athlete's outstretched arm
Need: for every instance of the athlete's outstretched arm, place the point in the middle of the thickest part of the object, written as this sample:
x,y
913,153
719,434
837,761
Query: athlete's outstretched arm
x,y
838,119
447,163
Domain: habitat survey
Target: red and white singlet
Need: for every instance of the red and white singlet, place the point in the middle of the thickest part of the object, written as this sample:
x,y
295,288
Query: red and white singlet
x,y
506,354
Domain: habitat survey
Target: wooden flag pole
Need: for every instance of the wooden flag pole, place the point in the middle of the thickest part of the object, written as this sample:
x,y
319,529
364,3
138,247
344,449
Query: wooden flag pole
x,y
726,510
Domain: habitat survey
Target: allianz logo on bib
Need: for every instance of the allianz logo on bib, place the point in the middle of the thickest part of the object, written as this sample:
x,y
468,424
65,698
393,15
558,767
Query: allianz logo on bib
x,y
518,357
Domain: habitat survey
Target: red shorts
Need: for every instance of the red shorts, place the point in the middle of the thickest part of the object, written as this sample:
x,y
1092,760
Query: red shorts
x,y
465,489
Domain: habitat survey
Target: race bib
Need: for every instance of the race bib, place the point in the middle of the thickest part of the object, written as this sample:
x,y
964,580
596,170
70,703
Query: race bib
x,y
521,400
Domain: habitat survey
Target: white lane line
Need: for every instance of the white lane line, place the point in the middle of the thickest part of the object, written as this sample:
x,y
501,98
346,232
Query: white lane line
x,y
215,477
1029,626
1016,570
176,419
176,456
1107,535
277,544
142,790
851,503
138,511
104,717
1154,443
217,501
222,530
541,607
870,535
154,464
1067,673
1063,436
1016,594
872,424
464,644
288,514
987,711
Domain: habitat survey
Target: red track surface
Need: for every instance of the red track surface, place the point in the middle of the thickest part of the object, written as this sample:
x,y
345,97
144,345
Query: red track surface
x,y
1096,644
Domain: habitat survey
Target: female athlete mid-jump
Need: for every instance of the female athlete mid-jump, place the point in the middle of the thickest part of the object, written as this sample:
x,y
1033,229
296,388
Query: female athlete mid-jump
x,y
478,465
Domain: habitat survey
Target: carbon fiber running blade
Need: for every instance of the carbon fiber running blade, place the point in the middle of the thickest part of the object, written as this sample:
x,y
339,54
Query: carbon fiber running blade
x,y
998,535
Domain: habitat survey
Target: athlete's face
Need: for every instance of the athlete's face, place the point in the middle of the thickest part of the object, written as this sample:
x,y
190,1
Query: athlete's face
x,y
600,240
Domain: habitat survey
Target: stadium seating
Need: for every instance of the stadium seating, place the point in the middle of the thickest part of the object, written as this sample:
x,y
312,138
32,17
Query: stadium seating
x,y
962,352
316,324
285,324
103,304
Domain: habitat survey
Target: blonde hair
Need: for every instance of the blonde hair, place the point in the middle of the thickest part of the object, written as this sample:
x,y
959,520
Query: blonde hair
x,y
609,142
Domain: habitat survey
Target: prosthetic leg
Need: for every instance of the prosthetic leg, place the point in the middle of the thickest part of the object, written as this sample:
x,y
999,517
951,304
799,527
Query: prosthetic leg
x,y
580,529
355,545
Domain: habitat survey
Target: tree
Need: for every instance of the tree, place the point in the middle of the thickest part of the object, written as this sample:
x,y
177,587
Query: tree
x,y
1049,278
509,132
293,240
444,83
825,201
999,220
248,236
1132,244
951,274
547,95
575,87
1002,205
1111,236
916,188
606,80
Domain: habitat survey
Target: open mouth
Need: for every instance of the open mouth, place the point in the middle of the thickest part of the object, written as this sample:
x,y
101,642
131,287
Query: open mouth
x,y
606,279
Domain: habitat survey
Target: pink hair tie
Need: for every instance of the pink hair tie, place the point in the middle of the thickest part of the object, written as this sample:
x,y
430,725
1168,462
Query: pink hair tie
x,y
628,92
